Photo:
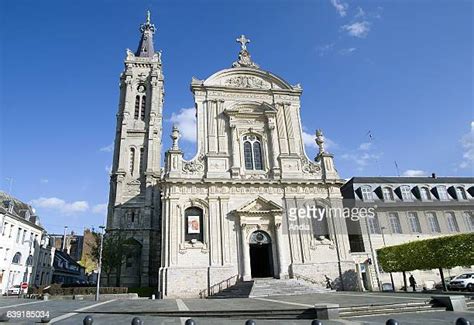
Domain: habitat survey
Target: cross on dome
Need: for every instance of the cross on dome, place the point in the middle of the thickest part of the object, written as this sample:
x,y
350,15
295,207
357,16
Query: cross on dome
x,y
243,41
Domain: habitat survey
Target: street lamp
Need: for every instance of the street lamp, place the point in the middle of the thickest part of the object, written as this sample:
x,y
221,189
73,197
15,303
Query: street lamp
x,y
374,255
384,244
100,262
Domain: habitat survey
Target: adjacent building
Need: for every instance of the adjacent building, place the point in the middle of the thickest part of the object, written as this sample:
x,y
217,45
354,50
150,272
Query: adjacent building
x,y
78,246
44,264
20,238
406,209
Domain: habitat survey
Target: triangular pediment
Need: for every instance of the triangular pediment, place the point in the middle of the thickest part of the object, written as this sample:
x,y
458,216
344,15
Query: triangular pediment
x,y
260,205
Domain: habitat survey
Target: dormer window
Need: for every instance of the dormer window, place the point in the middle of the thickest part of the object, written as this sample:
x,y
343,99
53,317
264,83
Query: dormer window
x,y
442,193
425,194
461,193
388,194
406,193
366,192
252,152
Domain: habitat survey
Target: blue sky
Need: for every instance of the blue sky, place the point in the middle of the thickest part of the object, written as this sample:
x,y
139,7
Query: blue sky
x,y
399,69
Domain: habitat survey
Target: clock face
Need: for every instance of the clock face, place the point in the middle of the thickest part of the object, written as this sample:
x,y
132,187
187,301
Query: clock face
x,y
141,88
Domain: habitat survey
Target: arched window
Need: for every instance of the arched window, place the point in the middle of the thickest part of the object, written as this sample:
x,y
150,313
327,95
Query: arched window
x,y
414,222
29,260
406,192
252,153
366,193
137,107
442,193
388,194
460,193
193,224
132,160
452,222
425,194
142,160
16,258
433,222
319,223
142,114
395,225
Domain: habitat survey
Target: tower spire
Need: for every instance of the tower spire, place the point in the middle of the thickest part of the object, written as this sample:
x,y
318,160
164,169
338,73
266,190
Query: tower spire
x,y
145,47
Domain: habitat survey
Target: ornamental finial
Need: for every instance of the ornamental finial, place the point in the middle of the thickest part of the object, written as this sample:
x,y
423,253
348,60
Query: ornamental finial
x,y
244,55
147,26
148,16
175,135
320,140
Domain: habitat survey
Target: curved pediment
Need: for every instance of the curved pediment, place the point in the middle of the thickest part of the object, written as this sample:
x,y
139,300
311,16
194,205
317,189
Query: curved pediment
x,y
247,78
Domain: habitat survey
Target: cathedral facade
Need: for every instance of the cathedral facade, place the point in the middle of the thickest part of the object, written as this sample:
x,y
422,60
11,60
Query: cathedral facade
x,y
224,214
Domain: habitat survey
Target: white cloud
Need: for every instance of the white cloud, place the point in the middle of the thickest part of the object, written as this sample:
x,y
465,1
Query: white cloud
x,y
347,51
414,173
361,159
341,7
467,142
185,120
108,169
322,50
108,148
360,13
365,146
308,140
357,29
44,181
363,156
54,203
100,208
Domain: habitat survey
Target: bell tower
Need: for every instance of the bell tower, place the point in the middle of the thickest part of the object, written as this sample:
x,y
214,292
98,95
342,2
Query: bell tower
x,y
134,198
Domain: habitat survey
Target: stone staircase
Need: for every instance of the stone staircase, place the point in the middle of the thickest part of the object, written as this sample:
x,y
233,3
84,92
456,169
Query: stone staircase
x,y
239,290
282,287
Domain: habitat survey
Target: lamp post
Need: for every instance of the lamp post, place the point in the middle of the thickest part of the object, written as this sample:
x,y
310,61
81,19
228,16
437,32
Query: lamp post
x,y
374,255
384,244
100,262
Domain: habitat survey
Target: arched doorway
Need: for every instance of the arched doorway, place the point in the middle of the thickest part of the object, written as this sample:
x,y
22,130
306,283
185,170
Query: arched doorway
x,y
261,256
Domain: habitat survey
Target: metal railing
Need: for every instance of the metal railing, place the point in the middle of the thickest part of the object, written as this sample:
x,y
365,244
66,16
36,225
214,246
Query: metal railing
x,y
218,287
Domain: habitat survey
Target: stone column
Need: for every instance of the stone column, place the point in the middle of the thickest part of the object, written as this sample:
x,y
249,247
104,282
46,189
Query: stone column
x,y
247,276
221,135
235,151
211,125
283,271
281,125
274,146
289,127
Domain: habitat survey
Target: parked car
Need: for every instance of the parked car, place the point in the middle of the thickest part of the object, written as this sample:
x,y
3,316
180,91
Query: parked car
x,y
462,282
14,290
439,285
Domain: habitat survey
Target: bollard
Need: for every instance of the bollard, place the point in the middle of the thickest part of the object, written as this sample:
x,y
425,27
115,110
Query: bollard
x,y
4,318
250,322
190,322
316,322
392,322
462,321
88,320
152,297
137,321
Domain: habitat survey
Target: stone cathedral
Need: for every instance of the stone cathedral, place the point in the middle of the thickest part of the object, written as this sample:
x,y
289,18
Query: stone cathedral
x,y
224,214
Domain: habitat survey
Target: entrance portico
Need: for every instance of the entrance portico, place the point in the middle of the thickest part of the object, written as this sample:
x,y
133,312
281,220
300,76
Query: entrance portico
x,y
262,250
